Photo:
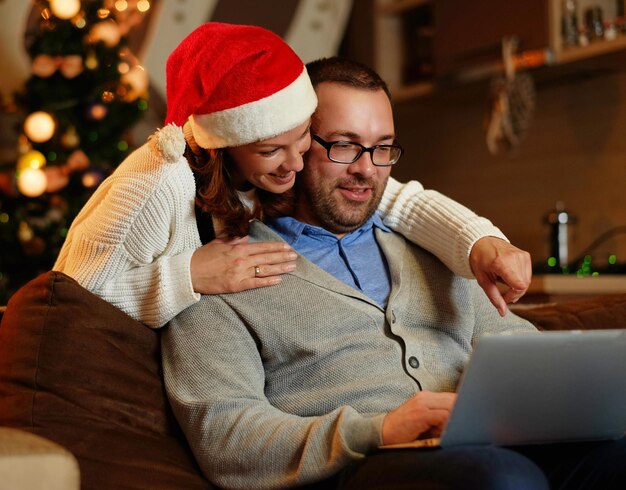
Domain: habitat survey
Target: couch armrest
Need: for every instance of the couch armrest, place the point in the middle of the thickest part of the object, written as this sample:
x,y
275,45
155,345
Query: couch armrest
x,y
599,312
30,462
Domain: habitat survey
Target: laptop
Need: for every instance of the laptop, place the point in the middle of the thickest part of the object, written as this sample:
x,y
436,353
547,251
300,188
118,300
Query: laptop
x,y
532,388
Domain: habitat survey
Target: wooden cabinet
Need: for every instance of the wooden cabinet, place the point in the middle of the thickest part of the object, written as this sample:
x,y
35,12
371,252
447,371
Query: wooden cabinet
x,y
470,33
612,38
418,42
404,33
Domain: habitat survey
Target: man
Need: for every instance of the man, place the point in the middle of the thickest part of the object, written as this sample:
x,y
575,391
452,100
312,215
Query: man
x,y
361,346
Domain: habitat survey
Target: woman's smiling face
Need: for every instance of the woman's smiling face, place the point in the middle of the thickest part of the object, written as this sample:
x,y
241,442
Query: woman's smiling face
x,y
271,164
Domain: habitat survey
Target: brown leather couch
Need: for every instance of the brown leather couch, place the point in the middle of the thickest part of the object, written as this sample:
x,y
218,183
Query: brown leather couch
x,y
81,373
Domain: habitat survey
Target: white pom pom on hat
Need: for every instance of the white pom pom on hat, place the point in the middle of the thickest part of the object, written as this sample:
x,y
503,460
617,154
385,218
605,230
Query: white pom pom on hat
x,y
236,84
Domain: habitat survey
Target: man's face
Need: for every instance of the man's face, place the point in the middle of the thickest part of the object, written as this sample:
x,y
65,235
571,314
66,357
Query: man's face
x,y
340,197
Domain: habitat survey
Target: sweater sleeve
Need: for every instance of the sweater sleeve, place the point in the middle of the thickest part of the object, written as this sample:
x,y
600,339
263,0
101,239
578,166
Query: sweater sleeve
x,y
132,242
152,293
214,379
435,222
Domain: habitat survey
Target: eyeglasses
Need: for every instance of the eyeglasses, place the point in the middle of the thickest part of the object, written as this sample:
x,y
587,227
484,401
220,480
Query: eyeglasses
x,y
349,152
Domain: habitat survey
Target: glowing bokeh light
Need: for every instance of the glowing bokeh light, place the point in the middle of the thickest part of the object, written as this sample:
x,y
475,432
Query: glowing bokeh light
x,y
39,126
65,9
32,182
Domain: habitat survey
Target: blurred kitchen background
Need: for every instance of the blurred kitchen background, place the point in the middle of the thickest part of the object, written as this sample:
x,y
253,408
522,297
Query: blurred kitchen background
x,y
515,109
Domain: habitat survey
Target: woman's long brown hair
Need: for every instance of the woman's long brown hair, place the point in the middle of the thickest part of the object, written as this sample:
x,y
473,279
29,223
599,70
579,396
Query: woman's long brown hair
x,y
216,194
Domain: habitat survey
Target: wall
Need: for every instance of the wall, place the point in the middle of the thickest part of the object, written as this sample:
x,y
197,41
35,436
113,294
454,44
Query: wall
x,y
574,151
15,62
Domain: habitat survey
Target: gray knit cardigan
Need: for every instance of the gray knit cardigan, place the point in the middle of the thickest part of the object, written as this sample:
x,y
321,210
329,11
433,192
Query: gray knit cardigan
x,y
280,386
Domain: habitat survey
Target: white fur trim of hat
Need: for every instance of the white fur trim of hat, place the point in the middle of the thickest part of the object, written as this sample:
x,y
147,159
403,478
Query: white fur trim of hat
x,y
258,120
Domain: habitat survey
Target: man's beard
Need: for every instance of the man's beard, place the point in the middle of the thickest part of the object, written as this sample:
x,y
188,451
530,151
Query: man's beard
x,y
333,211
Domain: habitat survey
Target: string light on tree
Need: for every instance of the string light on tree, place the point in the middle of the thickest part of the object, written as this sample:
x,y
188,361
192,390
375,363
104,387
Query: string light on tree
x,y
128,13
39,127
32,182
107,32
107,96
31,159
143,6
97,111
123,67
65,9
91,61
92,178
103,13
79,22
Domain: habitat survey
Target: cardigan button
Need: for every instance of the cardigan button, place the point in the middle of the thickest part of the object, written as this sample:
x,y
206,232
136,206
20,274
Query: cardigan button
x,y
413,362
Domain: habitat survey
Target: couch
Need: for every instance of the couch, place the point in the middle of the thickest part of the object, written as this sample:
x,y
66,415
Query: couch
x,y
85,376
82,374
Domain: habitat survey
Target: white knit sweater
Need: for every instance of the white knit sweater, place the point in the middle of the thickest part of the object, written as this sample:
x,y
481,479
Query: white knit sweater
x,y
132,242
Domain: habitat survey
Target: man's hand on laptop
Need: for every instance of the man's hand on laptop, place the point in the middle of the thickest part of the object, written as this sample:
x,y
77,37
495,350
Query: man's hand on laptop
x,y
424,414
494,260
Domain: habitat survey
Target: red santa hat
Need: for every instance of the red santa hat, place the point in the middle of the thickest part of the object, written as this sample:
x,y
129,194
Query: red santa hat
x,y
236,84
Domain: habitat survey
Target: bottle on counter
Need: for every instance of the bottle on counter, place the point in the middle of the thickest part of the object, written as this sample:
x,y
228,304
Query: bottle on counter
x,y
594,22
559,221
569,22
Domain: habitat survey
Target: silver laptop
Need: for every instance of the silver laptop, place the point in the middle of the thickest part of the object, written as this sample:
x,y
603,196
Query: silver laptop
x,y
540,388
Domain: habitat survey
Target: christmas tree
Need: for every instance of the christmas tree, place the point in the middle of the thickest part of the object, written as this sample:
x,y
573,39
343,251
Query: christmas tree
x,y
85,92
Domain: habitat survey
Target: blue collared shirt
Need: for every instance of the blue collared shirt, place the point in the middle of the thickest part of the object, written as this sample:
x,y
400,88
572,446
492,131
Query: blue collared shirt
x,y
355,259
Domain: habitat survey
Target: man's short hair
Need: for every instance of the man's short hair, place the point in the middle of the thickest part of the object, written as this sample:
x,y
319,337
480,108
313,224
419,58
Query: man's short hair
x,y
346,72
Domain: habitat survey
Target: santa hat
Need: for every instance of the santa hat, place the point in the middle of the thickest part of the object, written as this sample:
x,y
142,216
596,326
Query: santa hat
x,y
236,84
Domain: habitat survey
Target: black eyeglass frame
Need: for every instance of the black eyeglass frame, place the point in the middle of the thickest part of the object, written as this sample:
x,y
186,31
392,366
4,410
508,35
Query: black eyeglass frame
x,y
364,149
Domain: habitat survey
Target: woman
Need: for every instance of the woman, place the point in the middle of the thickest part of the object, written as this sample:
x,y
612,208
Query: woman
x,y
239,105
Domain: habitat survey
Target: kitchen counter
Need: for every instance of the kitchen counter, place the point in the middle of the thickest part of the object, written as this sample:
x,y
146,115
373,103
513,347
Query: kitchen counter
x,y
557,287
